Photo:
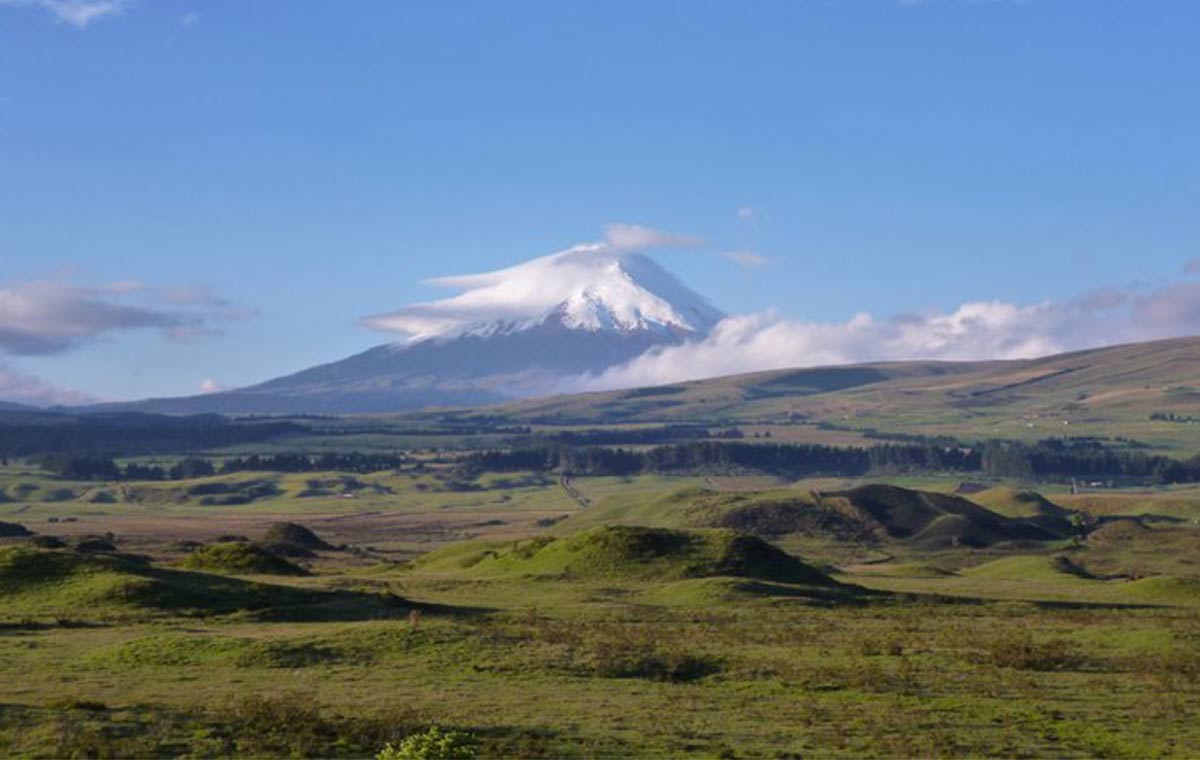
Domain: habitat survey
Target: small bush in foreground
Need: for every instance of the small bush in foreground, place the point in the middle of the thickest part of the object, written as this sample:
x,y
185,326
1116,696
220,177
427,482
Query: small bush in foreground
x,y
433,744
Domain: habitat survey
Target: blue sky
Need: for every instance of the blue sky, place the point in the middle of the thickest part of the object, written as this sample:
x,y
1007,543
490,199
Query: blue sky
x,y
217,191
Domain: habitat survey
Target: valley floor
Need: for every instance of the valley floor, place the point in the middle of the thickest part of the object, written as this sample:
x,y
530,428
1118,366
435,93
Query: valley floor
x,y
1034,650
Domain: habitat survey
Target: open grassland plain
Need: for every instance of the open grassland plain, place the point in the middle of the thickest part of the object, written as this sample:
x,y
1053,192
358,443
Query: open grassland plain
x,y
328,614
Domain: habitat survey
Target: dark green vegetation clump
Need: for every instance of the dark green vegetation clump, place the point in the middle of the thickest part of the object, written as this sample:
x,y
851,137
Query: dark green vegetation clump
x,y
934,520
95,545
14,530
220,493
237,558
290,539
67,584
633,552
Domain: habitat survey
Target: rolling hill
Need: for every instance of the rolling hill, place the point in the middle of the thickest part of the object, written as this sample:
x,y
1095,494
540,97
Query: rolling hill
x,y
1103,391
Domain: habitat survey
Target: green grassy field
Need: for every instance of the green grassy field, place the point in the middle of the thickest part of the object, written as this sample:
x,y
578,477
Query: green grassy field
x,y
898,622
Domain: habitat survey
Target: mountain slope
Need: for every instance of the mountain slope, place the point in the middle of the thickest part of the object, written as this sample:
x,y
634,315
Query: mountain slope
x,y
513,333
1103,391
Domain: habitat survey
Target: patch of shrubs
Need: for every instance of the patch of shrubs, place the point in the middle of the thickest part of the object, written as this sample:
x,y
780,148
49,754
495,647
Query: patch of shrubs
x,y
618,659
432,744
292,724
1022,652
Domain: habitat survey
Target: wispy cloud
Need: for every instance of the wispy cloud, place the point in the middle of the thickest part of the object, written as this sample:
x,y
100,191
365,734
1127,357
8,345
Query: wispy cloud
x,y
191,18
1192,267
21,388
52,316
208,385
747,215
635,237
203,296
77,13
748,259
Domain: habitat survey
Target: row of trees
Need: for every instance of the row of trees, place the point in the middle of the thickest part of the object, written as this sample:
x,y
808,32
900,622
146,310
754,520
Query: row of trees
x,y
1046,459
997,458
128,434
1084,460
74,467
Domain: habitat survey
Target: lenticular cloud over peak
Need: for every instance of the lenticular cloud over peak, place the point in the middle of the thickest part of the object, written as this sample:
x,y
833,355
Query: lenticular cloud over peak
x,y
595,287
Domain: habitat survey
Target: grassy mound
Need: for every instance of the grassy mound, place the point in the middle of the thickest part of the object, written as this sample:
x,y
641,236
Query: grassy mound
x,y
774,514
1027,505
67,584
292,540
14,530
935,520
240,559
1027,568
866,515
634,553
94,545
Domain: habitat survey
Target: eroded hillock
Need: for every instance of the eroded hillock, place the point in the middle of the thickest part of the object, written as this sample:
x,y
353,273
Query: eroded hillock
x,y
14,530
239,558
631,552
36,582
290,539
867,515
1027,505
936,520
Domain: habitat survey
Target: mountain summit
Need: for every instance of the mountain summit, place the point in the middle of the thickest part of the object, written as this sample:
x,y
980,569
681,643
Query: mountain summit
x,y
512,333
593,288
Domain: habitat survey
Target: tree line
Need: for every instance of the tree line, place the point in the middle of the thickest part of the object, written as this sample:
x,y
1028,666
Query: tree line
x,y
1053,458
724,456
92,467
127,434
1050,458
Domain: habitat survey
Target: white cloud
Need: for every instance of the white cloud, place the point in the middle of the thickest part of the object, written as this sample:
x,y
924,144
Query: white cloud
x,y
748,259
52,316
203,297
978,330
77,13
208,385
574,285
189,19
25,389
747,215
634,237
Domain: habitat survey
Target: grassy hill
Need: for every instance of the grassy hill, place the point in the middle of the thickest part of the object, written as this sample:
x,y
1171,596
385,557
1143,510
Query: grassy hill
x,y
1104,391
63,583
866,516
629,552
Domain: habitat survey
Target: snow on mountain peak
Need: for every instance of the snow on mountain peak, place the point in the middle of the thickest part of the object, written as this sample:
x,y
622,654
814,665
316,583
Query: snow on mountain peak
x,y
594,287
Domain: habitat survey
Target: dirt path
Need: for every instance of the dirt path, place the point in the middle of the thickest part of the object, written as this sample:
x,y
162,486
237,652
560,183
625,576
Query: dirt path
x,y
573,492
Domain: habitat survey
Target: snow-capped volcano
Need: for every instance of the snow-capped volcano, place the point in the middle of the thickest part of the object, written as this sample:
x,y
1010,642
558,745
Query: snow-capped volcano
x,y
511,333
591,287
